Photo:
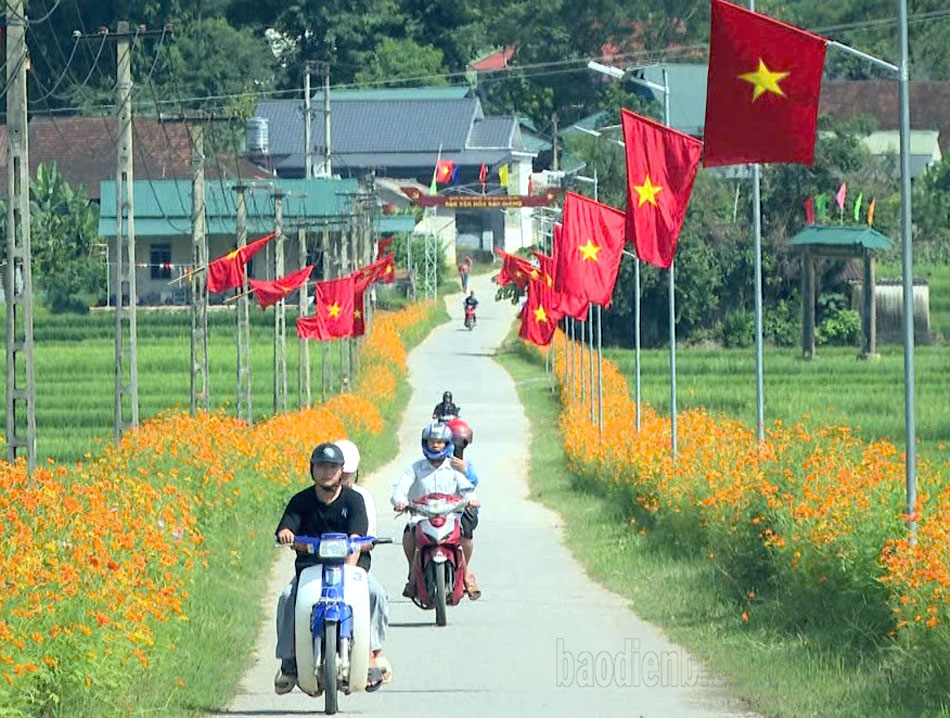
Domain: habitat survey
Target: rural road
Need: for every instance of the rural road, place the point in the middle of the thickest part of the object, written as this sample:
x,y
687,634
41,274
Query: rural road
x,y
520,649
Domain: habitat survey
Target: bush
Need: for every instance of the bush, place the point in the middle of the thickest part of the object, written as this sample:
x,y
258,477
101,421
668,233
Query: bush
x,y
738,328
841,328
782,326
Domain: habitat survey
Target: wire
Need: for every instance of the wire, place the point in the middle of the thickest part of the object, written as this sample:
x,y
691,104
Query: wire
x,y
62,77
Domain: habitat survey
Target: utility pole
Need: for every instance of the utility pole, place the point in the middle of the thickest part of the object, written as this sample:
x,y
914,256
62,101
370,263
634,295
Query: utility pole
x,y
126,350
280,311
327,169
18,277
304,397
244,386
325,274
199,285
307,124
554,141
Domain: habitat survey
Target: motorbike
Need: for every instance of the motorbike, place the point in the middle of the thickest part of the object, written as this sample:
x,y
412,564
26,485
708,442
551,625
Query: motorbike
x,y
439,569
332,621
469,317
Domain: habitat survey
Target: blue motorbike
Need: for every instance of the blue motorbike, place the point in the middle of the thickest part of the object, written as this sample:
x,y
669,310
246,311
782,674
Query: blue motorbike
x,y
332,619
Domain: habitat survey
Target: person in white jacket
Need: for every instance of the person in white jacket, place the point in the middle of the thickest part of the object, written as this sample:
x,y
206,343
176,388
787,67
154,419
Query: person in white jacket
x,y
432,474
380,669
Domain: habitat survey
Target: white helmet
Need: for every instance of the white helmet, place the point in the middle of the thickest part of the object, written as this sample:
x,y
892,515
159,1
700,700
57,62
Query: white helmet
x,y
351,455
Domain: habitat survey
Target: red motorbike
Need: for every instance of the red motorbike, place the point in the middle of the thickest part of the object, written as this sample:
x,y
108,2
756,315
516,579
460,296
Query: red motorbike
x,y
438,572
469,317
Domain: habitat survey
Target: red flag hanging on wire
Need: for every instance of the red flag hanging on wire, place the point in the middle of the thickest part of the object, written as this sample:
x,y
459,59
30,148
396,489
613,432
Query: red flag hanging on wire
x,y
359,320
538,316
591,245
227,272
271,292
334,315
515,270
661,167
762,90
382,247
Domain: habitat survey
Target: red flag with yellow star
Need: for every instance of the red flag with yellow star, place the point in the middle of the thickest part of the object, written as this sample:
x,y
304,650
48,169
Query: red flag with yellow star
x,y
661,167
515,270
538,316
762,89
227,272
587,255
335,307
269,293
359,321
566,305
382,270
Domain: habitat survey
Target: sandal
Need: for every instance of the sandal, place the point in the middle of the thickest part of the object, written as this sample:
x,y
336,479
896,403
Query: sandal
x,y
410,590
374,679
386,667
472,589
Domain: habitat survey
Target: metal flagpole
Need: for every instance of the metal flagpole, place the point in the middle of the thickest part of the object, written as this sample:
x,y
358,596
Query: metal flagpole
x,y
673,434
757,250
590,363
600,373
636,334
907,274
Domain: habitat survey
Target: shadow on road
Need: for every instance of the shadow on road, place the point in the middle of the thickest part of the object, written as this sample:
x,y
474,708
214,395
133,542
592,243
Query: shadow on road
x,y
413,624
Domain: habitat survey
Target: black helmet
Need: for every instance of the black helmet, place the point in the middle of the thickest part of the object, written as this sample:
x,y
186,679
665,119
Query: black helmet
x,y
447,396
327,453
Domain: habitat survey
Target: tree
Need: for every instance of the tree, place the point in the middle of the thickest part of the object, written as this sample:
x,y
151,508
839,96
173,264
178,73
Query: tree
x,y
394,59
63,229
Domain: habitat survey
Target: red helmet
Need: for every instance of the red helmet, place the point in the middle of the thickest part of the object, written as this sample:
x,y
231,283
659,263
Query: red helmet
x,y
461,433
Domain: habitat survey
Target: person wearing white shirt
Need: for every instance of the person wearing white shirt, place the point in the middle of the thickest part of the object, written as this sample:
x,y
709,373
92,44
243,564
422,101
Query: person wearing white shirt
x,y
378,603
430,475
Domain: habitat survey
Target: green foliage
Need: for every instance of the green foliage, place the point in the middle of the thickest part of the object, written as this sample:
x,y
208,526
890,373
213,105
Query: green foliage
x,y
843,327
782,325
738,329
396,59
64,227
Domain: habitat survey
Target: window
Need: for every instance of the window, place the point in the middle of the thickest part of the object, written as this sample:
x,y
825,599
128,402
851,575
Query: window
x,y
160,261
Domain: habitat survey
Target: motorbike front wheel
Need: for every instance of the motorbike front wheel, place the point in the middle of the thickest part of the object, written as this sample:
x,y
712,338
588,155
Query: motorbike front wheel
x,y
439,593
330,629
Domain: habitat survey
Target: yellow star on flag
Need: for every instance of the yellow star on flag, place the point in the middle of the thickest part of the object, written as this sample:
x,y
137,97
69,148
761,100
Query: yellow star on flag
x,y
334,310
389,269
534,273
540,315
548,279
232,255
590,250
647,191
764,80
356,314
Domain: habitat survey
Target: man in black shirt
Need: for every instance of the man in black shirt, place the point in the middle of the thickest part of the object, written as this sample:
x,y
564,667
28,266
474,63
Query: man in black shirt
x,y
327,507
445,408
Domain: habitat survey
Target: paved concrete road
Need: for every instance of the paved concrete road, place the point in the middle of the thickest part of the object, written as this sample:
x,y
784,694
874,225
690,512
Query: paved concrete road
x,y
543,639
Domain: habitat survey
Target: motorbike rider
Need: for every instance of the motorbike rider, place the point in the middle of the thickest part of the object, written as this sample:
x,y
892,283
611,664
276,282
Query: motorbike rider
x,y
445,407
462,436
380,669
432,474
470,300
326,507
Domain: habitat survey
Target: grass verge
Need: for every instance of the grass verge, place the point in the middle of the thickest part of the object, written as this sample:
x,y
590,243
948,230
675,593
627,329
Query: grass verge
x,y
775,673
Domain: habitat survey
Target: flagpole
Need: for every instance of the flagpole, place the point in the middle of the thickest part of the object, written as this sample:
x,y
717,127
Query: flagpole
x,y
636,334
600,373
907,273
757,250
673,435
590,363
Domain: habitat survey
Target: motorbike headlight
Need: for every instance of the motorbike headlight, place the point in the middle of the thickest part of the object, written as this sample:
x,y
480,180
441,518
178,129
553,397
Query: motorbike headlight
x,y
334,548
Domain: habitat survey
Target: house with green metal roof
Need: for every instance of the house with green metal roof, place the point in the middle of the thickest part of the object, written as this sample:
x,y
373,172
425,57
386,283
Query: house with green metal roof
x,y
163,249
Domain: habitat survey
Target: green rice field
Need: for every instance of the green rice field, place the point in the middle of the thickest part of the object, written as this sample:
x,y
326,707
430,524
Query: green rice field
x,y
75,359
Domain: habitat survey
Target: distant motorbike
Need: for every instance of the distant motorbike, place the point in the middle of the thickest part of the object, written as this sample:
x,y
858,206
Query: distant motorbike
x,y
332,619
439,570
469,317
